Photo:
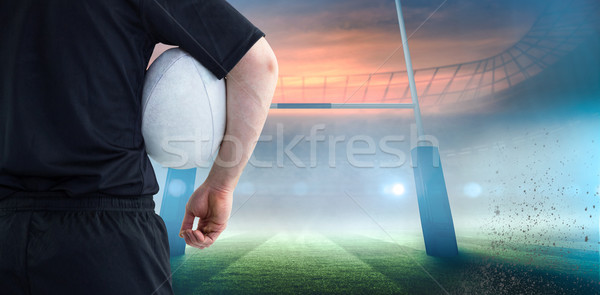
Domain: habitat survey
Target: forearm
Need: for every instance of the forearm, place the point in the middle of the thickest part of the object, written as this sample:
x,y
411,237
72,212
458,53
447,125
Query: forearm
x,y
250,87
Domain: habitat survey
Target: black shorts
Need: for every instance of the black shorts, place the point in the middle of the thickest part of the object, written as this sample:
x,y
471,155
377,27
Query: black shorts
x,y
97,245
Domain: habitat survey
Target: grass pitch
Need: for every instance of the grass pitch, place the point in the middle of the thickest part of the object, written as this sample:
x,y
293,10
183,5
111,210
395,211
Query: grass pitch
x,y
319,263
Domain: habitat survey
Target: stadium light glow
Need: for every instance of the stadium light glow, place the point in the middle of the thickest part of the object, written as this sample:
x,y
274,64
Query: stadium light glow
x,y
472,189
398,189
177,188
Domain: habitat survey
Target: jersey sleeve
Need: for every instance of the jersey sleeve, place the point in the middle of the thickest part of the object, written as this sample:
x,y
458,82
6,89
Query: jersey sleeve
x,y
211,31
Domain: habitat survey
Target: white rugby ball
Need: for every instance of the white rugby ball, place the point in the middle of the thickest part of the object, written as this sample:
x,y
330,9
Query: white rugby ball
x,y
183,111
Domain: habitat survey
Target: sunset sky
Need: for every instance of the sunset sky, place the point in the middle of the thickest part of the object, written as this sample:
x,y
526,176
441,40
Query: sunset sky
x,y
344,50
339,37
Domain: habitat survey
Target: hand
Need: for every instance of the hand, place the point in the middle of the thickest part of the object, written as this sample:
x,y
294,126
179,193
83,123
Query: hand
x,y
249,94
212,206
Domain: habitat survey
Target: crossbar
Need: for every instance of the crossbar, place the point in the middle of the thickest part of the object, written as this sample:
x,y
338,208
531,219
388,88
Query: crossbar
x,y
342,106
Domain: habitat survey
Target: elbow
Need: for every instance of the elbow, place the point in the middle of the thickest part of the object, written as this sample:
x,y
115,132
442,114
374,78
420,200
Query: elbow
x,y
256,74
271,65
258,64
270,70
262,60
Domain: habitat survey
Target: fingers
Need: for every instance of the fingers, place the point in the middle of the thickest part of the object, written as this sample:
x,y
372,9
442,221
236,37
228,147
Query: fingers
x,y
197,239
211,237
201,239
194,238
188,222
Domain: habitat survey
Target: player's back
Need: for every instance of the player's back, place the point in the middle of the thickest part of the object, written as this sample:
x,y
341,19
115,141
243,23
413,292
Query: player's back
x,y
70,93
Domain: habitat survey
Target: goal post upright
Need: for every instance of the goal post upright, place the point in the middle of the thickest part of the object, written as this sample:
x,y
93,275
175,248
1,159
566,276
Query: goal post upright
x,y
434,207
409,71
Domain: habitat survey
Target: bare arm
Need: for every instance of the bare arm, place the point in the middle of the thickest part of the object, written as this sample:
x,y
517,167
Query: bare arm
x,y
250,87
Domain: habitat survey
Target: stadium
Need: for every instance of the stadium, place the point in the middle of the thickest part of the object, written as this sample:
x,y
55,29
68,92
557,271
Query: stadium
x,y
329,204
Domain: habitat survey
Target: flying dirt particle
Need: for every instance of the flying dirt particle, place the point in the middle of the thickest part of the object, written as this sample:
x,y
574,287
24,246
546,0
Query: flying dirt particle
x,y
586,238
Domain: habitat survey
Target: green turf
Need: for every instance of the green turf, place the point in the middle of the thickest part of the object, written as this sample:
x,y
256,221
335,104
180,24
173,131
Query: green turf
x,y
317,263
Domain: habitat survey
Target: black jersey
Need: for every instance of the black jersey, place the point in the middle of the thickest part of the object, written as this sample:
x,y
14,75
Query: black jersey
x,y
71,77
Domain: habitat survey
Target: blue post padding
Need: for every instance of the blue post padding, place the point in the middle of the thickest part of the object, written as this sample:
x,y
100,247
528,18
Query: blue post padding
x,y
434,208
178,188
